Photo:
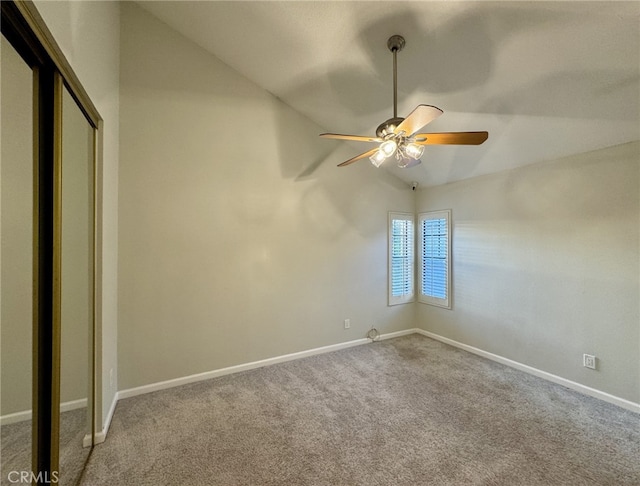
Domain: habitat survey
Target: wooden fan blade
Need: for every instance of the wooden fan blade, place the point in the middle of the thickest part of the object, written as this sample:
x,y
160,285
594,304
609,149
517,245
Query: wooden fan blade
x,y
357,138
451,138
418,118
358,157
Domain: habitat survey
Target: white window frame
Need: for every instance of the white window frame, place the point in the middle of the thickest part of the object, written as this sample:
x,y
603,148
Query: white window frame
x,y
422,296
409,296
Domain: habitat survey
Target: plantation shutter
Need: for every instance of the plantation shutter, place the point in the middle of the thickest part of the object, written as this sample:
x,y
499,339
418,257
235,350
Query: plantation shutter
x,y
434,267
401,258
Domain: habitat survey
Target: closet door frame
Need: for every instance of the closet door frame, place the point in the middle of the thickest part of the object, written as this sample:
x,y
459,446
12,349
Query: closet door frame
x,y
24,28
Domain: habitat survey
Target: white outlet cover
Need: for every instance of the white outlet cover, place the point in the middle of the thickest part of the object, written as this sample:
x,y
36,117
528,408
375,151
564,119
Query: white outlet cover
x,y
589,361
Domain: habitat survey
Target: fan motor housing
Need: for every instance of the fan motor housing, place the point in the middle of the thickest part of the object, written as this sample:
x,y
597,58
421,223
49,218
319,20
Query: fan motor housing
x,y
388,126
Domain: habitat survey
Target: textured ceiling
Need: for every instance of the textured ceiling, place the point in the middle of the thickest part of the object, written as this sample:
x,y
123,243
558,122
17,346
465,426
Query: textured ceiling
x,y
545,79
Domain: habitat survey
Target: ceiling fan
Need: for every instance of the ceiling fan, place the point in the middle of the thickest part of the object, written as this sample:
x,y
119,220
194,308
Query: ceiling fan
x,y
399,137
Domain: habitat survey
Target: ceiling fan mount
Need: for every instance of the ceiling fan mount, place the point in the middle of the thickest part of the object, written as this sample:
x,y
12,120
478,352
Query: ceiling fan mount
x,y
396,43
399,136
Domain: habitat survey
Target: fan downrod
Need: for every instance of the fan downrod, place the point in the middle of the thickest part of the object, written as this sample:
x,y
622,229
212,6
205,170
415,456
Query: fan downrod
x,y
395,43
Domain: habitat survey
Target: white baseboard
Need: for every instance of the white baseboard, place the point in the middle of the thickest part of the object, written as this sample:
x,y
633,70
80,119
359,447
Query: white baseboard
x,y
391,335
73,405
163,385
592,392
132,392
100,437
13,418
16,417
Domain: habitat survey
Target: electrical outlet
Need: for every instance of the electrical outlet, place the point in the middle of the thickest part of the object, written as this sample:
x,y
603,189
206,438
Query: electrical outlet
x,y
589,361
347,323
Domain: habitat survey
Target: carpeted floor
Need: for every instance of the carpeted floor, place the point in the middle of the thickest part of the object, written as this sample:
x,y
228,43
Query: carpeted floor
x,y
407,411
16,448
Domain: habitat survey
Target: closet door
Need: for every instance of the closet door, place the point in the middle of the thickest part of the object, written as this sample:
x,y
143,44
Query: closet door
x,y
74,329
50,150
16,262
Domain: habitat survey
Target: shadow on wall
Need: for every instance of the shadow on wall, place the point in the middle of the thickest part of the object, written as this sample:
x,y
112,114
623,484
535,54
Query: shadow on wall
x,y
299,149
581,187
359,196
233,143
334,199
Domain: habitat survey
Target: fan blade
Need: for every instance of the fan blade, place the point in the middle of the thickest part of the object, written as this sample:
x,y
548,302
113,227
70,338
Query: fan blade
x,y
358,157
357,138
422,115
451,138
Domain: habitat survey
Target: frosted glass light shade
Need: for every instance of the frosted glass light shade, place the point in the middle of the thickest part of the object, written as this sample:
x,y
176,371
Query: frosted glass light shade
x,y
414,150
378,158
388,148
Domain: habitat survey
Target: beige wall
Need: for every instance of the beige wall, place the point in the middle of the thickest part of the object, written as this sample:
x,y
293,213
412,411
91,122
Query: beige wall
x,y
546,266
88,34
16,226
238,238
228,252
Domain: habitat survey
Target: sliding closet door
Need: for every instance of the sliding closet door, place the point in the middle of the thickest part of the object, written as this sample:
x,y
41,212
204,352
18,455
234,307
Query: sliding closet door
x,y
16,261
76,289
50,147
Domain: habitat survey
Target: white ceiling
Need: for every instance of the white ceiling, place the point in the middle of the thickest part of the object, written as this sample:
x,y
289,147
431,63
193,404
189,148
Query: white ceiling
x,y
545,79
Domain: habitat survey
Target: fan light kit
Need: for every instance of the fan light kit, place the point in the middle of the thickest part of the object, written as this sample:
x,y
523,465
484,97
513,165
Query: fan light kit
x,y
398,137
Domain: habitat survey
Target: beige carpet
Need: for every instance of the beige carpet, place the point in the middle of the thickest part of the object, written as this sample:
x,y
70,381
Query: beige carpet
x,y
15,451
407,411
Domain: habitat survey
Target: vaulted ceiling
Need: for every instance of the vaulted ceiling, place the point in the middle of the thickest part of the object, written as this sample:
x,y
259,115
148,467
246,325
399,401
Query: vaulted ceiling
x,y
545,79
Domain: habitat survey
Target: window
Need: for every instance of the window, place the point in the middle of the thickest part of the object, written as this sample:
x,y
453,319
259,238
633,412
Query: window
x,y
434,266
401,258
